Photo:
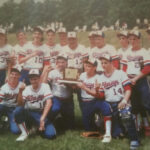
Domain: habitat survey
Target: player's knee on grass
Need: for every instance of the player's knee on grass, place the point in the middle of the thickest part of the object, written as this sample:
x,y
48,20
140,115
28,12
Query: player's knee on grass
x,y
50,131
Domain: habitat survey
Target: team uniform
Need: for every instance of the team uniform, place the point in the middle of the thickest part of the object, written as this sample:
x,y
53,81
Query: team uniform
x,y
90,105
5,53
36,62
62,98
8,104
34,105
134,63
114,88
51,53
107,49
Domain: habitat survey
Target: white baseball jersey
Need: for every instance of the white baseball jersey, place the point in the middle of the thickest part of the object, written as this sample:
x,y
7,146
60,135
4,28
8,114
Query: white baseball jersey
x,y
113,86
89,83
5,52
59,90
35,99
35,62
8,95
61,48
97,52
136,60
51,54
75,56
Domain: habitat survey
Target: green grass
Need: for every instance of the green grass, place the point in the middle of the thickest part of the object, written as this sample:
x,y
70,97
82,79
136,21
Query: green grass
x,y
66,140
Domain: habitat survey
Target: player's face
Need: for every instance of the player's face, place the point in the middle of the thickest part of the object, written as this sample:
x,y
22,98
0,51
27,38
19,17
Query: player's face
x,y
106,65
100,41
92,41
61,64
134,40
72,42
2,39
14,77
37,36
123,41
35,81
63,37
21,36
90,69
51,37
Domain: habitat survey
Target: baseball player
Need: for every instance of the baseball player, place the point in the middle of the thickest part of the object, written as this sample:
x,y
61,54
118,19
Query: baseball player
x,y
116,88
33,54
90,104
101,48
51,48
8,98
63,40
5,56
62,93
37,103
138,67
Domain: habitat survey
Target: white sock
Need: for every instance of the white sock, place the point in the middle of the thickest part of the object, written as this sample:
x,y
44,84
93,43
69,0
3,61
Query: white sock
x,y
23,128
108,127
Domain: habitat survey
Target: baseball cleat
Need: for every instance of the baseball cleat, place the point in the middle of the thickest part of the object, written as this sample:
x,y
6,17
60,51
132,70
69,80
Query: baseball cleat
x,y
106,139
22,137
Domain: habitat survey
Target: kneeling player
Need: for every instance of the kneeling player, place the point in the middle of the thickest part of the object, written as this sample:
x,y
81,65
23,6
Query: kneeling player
x,y
89,104
37,103
116,88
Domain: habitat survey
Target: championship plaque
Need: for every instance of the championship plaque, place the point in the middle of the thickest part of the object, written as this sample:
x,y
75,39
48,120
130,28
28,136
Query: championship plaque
x,y
70,76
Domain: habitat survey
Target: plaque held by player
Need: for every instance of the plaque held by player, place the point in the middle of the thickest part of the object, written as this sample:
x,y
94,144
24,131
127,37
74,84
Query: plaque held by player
x,y
70,76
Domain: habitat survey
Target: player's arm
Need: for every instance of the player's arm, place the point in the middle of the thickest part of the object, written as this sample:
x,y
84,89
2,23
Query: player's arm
x,y
47,108
20,100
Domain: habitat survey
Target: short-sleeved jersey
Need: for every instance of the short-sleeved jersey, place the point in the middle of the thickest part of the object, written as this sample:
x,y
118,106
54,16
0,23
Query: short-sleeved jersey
x,y
35,62
97,52
89,83
75,56
5,52
51,53
61,48
59,90
8,95
136,60
35,99
113,86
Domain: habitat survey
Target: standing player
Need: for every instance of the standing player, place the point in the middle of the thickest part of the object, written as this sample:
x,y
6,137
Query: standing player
x,y
116,88
8,98
102,48
90,104
37,103
138,67
33,54
63,40
62,93
51,48
5,56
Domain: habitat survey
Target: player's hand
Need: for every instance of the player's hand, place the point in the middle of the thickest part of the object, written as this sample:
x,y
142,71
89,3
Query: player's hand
x,y
22,86
81,85
122,104
133,81
97,85
42,124
47,68
38,52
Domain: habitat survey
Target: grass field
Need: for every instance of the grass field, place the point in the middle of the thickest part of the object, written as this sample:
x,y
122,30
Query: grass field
x,y
66,140
70,140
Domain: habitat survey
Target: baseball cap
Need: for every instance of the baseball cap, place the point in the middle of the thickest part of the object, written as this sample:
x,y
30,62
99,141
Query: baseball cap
x,y
38,28
105,56
50,29
34,72
2,31
135,33
16,68
92,33
92,61
62,30
72,35
100,33
148,30
63,56
122,33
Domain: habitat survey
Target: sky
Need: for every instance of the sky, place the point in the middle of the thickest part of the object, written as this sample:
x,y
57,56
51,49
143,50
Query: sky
x,y
17,1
